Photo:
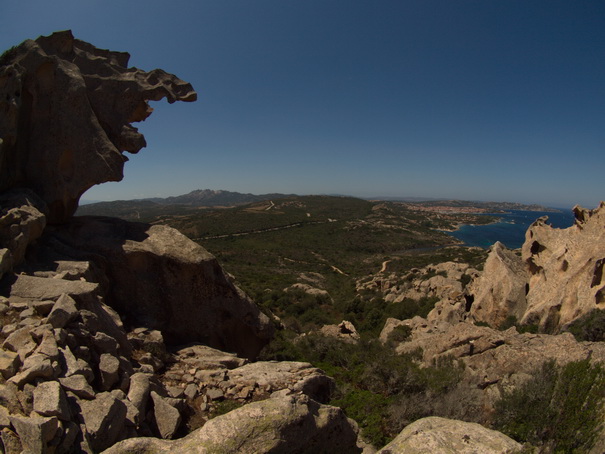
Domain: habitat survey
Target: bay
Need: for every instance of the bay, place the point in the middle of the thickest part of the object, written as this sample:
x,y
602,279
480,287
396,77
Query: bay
x,y
510,230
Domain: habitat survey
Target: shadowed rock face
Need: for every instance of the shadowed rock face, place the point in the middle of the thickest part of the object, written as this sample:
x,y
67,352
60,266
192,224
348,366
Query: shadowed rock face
x,y
66,113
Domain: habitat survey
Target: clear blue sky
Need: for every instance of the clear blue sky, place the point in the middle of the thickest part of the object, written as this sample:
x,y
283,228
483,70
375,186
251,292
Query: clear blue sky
x,y
481,100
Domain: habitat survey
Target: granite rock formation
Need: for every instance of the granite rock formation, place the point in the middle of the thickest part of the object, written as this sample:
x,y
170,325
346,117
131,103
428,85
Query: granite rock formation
x,y
446,436
558,278
283,423
91,308
156,277
67,112
493,360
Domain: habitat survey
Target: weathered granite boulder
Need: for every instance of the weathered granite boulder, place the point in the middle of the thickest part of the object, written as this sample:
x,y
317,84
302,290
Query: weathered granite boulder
x,y
448,436
160,279
282,424
67,108
344,331
290,375
566,269
500,290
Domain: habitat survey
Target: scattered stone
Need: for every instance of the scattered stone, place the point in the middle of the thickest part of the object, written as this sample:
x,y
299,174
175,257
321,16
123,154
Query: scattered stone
x,y
43,308
9,329
21,342
109,369
30,288
167,417
74,366
10,399
296,376
104,418
78,385
22,212
9,363
63,312
35,433
190,392
105,344
29,312
4,420
50,400
10,442
176,391
215,394
71,430
36,366
48,346
139,391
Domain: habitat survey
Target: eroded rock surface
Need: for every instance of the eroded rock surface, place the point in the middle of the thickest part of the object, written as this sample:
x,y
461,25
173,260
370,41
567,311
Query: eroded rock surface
x,y
556,278
159,279
88,306
448,436
566,266
493,360
67,113
284,423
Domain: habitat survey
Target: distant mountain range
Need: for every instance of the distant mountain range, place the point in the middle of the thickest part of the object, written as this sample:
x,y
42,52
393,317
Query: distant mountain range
x,y
151,207
215,198
144,209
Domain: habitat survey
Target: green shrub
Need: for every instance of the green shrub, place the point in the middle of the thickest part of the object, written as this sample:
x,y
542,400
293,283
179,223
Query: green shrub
x,y
559,408
400,333
369,410
511,321
590,327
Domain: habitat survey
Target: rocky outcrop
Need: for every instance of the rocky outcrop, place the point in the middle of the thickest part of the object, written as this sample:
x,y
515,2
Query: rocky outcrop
x,y
344,331
447,436
443,281
22,221
557,277
493,360
157,278
283,423
501,289
67,113
90,308
566,269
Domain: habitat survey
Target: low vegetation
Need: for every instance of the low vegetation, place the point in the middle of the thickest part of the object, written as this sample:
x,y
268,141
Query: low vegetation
x,y
559,409
590,327
373,383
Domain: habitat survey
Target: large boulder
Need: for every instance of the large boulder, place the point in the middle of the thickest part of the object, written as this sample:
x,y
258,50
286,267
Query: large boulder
x,y
281,424
500,290
67,108
160,279
448,436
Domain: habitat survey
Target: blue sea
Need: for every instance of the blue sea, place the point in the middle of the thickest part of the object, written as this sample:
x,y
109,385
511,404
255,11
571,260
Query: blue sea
x,y
510,231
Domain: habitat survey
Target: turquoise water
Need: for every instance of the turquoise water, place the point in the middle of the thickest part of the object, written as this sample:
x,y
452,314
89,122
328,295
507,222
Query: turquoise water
x,y
511,230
